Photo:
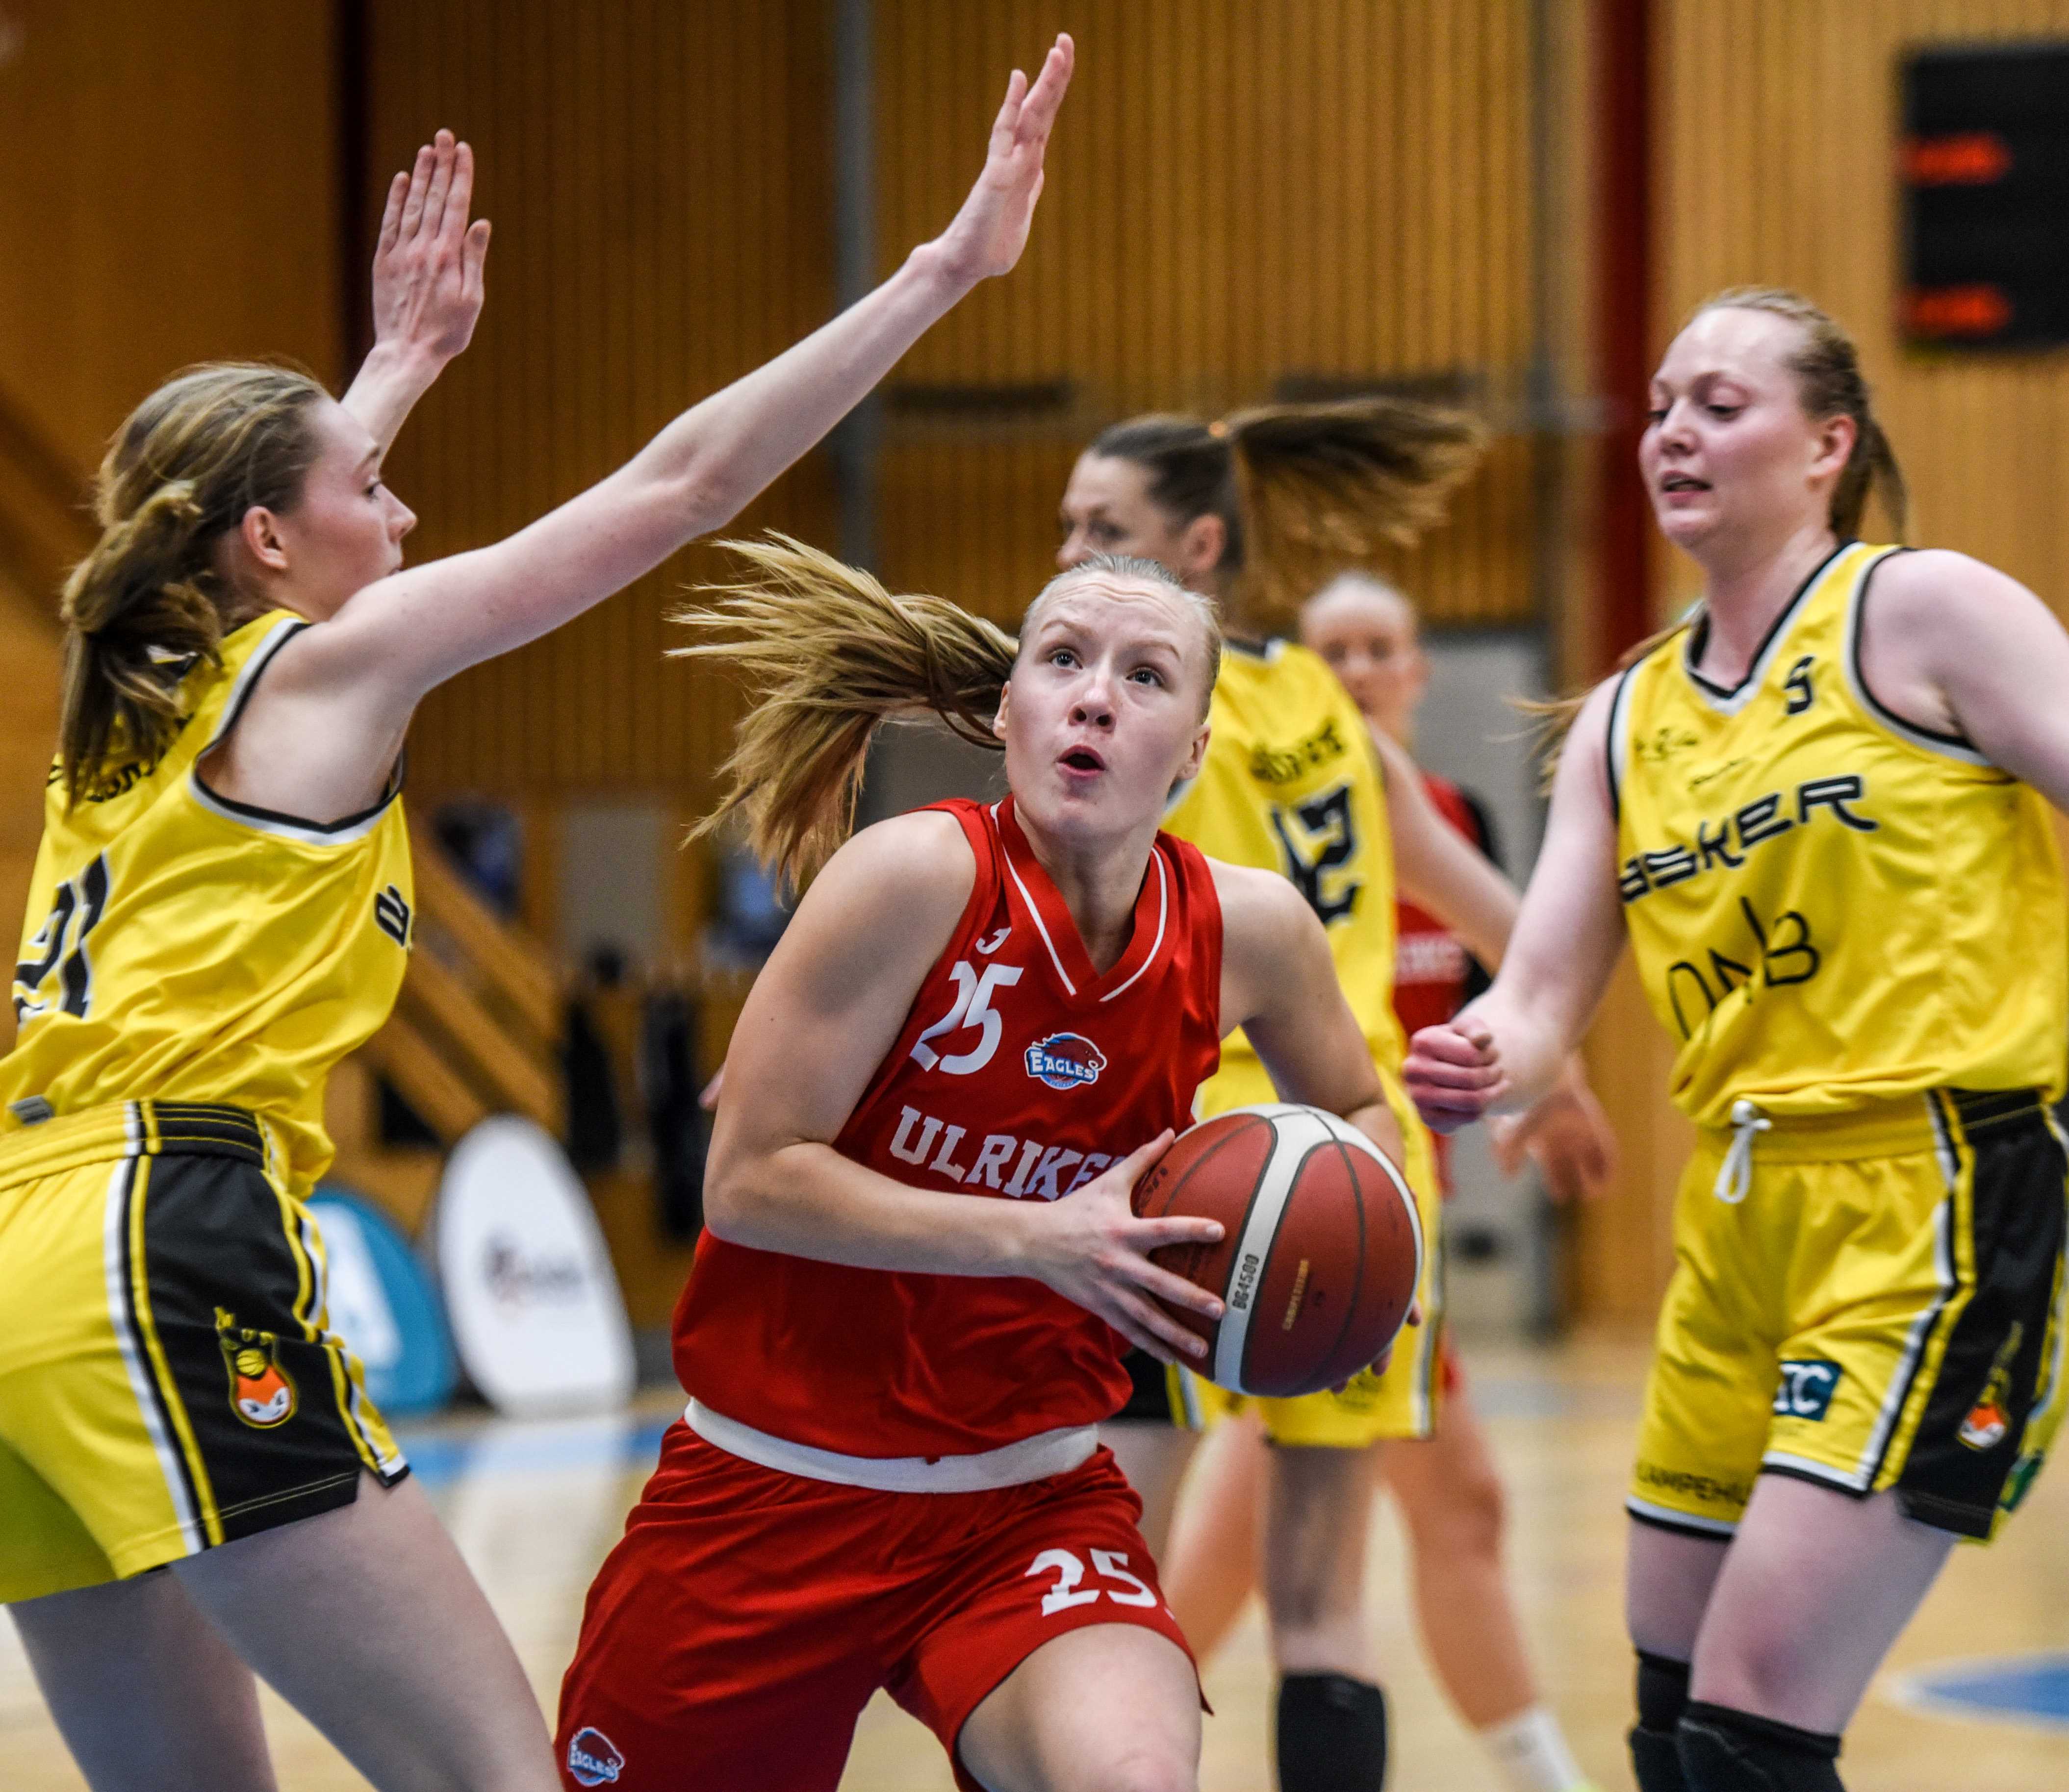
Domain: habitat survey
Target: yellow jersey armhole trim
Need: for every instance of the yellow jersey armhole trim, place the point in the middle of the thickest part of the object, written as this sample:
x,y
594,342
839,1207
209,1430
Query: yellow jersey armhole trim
x,y
1887,721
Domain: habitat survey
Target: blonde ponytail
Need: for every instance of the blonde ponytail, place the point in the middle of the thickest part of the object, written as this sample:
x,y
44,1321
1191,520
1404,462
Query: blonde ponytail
x,y
148,604
828,653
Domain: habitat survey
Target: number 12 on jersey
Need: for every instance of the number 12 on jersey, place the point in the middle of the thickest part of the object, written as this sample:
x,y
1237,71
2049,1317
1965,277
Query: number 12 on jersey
x,y
59,949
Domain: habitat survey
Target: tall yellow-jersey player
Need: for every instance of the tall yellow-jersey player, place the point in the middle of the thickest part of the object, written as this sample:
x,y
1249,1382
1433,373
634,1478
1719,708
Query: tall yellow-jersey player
x,y
1294,782
1817,812
222,909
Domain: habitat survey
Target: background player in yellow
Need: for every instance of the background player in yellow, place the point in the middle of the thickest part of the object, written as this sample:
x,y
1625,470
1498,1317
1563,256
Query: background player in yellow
x,y
1260,510
221,911
1816,810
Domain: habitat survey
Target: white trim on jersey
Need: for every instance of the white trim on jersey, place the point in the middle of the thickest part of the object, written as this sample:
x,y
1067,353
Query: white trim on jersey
x,y
1026,896
1163,914
1028,1458
276,638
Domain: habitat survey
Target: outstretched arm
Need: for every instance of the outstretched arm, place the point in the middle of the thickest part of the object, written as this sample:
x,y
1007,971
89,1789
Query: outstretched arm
x,y
1566,1132
323,727
826,1008
427,285
1508,1048
1439,870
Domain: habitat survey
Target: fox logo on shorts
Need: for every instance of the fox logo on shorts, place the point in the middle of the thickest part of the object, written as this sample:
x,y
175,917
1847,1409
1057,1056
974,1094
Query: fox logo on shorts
x,y
1064,1060
593,1757
260,1392
1988,1421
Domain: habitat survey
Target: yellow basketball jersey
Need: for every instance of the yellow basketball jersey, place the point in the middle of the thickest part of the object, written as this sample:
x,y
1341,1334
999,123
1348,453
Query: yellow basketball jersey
x,y
1291,783
184,948
1828,906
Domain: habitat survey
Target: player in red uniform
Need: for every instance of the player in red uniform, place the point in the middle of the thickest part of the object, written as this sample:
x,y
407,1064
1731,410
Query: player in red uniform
x,y
889,1473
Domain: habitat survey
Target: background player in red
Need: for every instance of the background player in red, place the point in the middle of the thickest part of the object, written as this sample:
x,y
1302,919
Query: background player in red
x,y
889,1473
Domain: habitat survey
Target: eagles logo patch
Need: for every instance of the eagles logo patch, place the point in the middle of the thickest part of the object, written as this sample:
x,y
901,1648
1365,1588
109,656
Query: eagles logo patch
x,y
1064,1060
261,1392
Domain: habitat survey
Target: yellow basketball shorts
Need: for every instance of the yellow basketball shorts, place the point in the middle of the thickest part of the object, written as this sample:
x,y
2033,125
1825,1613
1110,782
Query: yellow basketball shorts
x,y
1400,1402
1869,1300
167,1383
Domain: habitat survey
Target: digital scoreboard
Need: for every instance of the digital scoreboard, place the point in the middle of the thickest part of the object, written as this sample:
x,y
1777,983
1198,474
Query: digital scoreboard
x,y
1984,164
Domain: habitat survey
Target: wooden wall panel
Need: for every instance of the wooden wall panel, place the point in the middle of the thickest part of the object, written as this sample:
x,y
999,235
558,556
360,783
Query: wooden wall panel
x,y
1238,195
168,197
659,180
1778,130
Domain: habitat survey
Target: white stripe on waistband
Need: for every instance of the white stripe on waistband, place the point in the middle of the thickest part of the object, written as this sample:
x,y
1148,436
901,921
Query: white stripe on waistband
x,y
1030,1459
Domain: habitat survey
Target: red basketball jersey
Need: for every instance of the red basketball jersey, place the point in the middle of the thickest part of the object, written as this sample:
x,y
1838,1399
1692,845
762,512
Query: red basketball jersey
x,y
1019,1074
1430,964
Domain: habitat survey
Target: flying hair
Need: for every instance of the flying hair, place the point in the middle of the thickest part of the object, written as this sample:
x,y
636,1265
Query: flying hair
x,y
1304,491
827,654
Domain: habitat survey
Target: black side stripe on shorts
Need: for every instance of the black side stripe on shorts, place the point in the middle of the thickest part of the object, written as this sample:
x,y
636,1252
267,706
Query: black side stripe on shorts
x,y
1971,1435
1948,1145
189,1503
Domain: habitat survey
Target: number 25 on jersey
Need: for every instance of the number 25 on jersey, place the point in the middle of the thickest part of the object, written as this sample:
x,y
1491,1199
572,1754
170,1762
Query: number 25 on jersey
x,y
972,1007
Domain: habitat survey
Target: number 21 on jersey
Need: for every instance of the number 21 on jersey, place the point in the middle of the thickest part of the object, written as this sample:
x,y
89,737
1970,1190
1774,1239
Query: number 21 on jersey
x,y
57,956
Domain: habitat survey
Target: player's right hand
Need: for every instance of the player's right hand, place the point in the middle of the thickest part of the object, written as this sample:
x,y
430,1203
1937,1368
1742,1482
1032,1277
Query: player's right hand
x,y
1454,1074
1090,1247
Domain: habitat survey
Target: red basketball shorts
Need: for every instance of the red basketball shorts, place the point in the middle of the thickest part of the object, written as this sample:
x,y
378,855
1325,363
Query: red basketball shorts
x,y
733,1636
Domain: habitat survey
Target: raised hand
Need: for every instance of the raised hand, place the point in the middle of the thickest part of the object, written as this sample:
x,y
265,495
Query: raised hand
x,y
987,235
1090,1248
428,265
1453,1074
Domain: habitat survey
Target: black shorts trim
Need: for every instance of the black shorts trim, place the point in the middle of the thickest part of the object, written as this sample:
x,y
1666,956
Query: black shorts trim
x,y
270,1434
199,1129
1833,1483
1997,1367
1150,1394
1702,1532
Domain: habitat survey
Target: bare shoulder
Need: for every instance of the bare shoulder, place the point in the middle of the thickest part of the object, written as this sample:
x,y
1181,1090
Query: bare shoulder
x,y
1262,914
1933,588
1254,903
1585,748
1939,620
917,869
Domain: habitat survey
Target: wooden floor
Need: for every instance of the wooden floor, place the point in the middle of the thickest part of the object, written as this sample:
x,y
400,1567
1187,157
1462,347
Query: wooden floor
x,y
535,1508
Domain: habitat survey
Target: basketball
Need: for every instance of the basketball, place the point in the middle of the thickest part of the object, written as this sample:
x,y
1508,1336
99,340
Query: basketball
x,y
1320,1256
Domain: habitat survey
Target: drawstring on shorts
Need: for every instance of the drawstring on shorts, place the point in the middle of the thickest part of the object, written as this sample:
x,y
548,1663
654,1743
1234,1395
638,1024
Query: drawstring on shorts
x,y
1735,1174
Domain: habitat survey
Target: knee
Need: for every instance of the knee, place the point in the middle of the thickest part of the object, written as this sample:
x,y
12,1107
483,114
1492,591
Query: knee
x,y
1466,1518
1760,1669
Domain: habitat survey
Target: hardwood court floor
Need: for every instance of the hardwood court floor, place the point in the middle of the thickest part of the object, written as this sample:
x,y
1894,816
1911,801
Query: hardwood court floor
x,y
536,1507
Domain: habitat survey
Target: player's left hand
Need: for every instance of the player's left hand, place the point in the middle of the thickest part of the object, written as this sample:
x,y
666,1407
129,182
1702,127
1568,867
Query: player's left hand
x,y
987,236
428,265
1567,1135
